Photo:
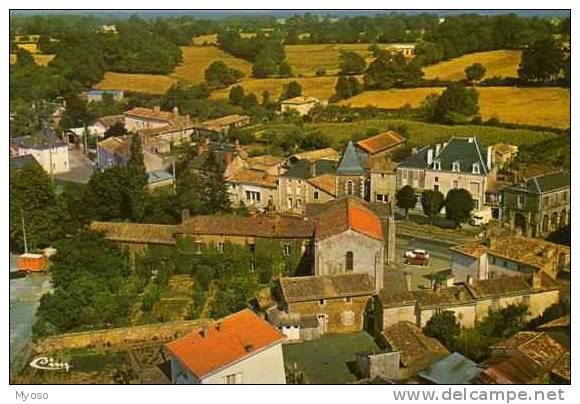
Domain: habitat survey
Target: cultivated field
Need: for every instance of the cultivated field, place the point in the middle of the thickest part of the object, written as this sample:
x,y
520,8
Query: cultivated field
x,y
319,87
305,59
41,60
501,63
198,58
548,107
141,83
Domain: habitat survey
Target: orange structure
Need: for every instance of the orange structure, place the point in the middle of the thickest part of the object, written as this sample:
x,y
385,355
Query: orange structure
x,y
32,262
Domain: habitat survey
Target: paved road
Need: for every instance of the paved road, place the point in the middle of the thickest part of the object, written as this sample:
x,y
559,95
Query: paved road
x,y
439,258
81,167
25,295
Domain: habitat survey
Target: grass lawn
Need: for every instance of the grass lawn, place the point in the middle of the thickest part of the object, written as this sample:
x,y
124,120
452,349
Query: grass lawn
x,y
326,361
548,106
501,63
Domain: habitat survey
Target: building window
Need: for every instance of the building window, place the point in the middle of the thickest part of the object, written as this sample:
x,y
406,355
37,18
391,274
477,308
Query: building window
x,y
474,188
287,249
234,378
198,245
475,168
299,203
437,165
315,194
520,201
476,204
382,176
252,196
289,203
379,197
349,261
322,302
455,184
349,188
220,247
347,317
456,166
436,187
348,299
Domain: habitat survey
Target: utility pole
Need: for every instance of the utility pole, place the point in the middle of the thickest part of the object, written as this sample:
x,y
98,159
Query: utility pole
x,y
24,231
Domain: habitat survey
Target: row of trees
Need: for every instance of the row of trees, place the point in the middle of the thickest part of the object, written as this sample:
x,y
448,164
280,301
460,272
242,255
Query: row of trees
x,y
458,203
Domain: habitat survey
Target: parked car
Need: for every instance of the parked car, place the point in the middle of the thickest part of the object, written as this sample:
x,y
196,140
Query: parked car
x,y
480,218
417,257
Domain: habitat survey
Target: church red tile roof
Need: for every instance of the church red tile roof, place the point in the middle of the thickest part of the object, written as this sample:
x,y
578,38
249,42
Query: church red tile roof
x,y
231,339
348,213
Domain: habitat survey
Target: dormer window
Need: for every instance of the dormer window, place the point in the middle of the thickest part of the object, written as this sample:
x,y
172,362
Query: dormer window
x,y
456,166
437,165
475,168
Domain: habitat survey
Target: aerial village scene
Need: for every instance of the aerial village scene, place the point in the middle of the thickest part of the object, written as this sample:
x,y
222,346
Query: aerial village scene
x,y
290,197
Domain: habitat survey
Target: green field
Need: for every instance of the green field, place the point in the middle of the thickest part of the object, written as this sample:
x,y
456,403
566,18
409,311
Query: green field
x,y
327,360
421,133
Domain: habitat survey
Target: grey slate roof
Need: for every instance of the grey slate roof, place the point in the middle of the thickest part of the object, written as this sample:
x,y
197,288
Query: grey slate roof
x,y
548,182
352,161
301,169
20,161
43,139
462,150
453,369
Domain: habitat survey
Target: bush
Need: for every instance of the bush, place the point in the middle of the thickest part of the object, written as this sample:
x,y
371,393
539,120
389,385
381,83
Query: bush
x,y
320,72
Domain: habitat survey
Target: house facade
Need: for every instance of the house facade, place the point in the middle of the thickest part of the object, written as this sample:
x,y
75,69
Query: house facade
x,y
301,105
337,302
46,148
253,189
539,205
460,163
241,348
139,118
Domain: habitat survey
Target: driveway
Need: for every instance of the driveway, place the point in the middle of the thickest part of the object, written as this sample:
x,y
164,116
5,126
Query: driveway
x,y
81,167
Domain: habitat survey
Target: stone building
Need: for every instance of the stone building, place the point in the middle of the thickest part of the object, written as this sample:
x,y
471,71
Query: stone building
x,y
139,118
226,123
508,256
294,190
46,148
338,302
383,181
351,174
301,105
470,301
457,163
539,205
252,188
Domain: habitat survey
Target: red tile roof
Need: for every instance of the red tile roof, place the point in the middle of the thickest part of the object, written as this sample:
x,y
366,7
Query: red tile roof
x,y
382,141
348,213
230,340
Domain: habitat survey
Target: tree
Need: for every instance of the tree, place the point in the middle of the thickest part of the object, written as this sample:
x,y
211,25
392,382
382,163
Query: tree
x,y
406,199
458,205
250,101
88,278
137,180
475,72
236,95
116,129
432,203
24,58
215,184
444,327
541,61
351,63
391,70
285,70
291,90
33,198
473,344
347,87
219,75
264,66
455,104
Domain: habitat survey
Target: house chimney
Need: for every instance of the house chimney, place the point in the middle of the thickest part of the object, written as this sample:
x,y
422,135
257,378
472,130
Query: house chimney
x,y
430,156
470,281
414,150
489,157
156,108
219,326
437,149
312,168
408,281
175,112
470,139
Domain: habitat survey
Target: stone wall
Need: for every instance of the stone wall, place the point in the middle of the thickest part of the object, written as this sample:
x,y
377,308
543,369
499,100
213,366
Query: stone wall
x,y
118,336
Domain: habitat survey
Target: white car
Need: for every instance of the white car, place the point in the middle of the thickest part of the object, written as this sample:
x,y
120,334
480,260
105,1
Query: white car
x,y
417,253
480,218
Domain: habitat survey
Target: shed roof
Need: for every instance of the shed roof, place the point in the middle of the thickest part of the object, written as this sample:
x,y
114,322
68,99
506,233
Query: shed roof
x,y
225,120
136,232
325,182
312,288
230,340
381,142
453,369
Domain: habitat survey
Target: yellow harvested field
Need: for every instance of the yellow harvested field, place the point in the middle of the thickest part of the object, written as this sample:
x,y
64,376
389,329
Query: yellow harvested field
x,y
30,47
198,58
319,87
141,83
501,63
209,39
548,107
41,60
